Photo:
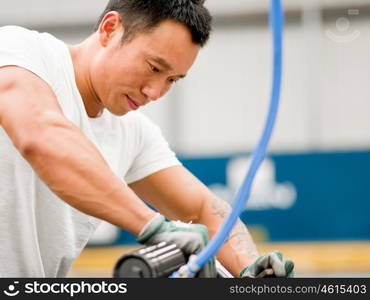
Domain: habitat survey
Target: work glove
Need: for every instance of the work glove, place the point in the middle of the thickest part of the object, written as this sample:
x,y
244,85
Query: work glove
x,y
272,264
190,238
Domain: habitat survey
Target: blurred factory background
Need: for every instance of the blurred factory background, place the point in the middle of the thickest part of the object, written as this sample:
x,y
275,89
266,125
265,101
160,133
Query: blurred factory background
x,y
311,198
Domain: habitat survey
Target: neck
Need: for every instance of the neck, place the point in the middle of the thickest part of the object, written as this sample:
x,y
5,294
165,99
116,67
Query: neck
x,y
81,54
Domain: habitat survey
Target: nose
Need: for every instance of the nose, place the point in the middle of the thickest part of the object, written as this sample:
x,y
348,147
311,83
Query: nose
x,y
154,91
150,93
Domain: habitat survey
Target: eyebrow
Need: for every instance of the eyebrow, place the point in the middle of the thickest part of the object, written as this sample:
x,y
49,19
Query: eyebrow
x,y
166,65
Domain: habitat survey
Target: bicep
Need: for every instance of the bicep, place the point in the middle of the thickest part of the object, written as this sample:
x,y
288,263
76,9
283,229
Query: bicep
x,y
175,192
26,102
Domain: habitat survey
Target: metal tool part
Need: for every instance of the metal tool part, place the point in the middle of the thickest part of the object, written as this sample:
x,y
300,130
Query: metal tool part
x,y
157,261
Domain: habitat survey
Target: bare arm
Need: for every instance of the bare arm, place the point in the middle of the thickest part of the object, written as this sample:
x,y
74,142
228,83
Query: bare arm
x,y
177,194
61,155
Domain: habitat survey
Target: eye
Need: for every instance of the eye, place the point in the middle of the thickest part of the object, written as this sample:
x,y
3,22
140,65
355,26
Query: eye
x,y
154,69
172,80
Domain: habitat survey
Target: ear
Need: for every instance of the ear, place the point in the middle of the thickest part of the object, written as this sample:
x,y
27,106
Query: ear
x,y
110,26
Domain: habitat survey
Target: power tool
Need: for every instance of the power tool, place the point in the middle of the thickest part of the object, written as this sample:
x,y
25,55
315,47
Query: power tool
x,y
157,261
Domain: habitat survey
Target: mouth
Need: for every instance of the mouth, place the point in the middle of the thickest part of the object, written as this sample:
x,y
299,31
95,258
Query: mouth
x,y
133,105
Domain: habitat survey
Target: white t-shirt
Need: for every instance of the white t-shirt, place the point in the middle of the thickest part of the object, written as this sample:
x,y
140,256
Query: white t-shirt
x,y
41,235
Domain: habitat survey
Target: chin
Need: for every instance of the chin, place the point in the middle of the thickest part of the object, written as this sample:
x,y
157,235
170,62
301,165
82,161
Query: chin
x,y
118,112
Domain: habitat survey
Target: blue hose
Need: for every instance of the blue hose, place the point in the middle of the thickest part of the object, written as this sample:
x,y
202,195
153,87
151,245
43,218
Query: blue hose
x,y
277,25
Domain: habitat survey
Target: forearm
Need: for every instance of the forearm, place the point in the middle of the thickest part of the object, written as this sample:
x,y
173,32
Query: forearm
x,y
179,195
239,249
74,170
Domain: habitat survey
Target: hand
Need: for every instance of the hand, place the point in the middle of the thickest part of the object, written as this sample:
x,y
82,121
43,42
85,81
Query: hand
x,y
190,238
273,262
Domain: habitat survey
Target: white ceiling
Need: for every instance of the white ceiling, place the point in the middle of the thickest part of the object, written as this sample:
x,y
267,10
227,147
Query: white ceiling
x,y
260,6
59,13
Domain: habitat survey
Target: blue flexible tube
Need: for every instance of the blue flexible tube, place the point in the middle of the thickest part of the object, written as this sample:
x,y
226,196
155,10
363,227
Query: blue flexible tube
x,y
277,24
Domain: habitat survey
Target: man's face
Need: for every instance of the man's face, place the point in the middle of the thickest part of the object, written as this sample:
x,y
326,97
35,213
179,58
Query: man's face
x,y
129,75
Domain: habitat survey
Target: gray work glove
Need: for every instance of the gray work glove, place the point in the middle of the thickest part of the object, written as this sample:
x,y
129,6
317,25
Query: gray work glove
x,y
273,262
190,238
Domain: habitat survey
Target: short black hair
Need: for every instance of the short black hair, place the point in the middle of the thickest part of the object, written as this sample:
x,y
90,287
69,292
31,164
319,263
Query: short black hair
x,y
144,15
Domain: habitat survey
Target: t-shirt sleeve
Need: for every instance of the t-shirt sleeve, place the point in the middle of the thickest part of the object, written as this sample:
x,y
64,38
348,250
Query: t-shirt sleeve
x,y
154,153
20,47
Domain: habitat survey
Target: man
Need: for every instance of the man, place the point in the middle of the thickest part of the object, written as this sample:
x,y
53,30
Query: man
x,y
74,150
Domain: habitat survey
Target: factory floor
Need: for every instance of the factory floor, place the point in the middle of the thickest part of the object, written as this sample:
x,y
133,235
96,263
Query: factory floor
x,y
312,259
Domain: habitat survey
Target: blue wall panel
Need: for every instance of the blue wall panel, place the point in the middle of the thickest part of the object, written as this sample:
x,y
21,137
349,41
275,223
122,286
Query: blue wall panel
x,y
333,196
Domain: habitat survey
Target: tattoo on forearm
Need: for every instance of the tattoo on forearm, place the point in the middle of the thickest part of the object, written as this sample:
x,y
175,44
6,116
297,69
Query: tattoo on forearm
x,y
240,238
220,208
241,241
